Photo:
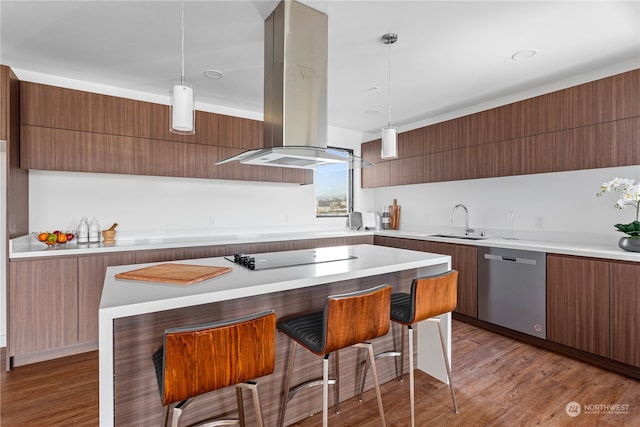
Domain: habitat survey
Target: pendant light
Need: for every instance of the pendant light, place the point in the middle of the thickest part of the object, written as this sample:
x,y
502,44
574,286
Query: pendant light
x,y
182,112
389,134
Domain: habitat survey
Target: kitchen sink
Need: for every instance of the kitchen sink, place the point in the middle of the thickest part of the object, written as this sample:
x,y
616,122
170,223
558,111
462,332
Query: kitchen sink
x,y
455,236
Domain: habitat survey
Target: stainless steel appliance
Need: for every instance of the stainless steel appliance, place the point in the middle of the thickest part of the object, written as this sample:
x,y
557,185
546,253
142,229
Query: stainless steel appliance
x,y
512,289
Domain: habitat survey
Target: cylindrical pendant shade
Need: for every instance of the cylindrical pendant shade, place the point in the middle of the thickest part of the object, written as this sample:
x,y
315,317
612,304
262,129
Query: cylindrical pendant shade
x,y
389,143
182,112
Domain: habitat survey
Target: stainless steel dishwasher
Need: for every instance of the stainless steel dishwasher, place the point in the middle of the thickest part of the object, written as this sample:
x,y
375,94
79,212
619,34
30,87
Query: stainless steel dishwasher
x,y
512,289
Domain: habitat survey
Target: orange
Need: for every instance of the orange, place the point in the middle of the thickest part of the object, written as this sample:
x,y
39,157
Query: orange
x,y
62,238
43,237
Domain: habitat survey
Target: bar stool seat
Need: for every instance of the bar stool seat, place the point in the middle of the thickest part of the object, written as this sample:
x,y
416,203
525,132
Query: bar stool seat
x,y
429,297
350,319
198,359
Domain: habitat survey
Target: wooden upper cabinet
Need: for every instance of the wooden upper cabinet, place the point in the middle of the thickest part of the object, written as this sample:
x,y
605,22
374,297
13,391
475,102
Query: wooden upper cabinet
x,y
170,158
238,132
372,151
410,170
578,303
64,150
378,174
601,101
536,116
55,107
411,143
596,146
4,102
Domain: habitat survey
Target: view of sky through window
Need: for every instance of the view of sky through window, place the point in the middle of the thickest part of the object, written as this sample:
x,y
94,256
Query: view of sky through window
x,y
333,187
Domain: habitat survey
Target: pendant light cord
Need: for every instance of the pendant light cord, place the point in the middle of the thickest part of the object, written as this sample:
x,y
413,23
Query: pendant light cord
x,y
389,88
182,44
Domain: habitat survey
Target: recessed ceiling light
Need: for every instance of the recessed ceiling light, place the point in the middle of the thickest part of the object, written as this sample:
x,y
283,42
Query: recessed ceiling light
x,y
524,54
373,89
372,111
214,74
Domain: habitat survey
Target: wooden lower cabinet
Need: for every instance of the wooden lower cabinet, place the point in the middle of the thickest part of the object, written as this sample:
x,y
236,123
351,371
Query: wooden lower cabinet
x,y
43,307
464,258
91,271
578,303
624,321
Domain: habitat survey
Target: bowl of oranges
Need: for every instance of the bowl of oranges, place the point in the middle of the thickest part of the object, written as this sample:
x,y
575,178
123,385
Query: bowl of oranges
x,y
54,238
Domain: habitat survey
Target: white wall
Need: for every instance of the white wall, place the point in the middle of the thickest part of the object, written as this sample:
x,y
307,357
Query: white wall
x,y
565,202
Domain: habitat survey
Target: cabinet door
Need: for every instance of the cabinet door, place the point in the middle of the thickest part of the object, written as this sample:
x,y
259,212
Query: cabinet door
x,y
75,151
625,313
464,259
237,132
43,305
411,143
91,272
170,158
4,102
54,107
378,174
601,101
578,303
410,170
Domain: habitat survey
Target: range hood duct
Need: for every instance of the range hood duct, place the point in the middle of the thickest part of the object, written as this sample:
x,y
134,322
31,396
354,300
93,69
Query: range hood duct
x,y
295,92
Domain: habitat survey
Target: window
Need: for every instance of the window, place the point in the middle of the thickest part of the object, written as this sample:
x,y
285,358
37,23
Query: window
x,y
334,187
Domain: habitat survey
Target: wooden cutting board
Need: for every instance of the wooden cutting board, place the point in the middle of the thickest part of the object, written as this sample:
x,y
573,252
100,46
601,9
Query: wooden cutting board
x,y
394,214
179,274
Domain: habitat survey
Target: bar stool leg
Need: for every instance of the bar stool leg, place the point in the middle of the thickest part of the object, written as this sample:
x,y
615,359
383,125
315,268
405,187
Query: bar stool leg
x,y
336,368
165,416
240,405
374,373
411,382
325,390
287,382
446,363
253,387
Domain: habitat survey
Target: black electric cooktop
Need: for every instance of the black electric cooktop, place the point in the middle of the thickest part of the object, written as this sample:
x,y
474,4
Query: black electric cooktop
x,y
288,259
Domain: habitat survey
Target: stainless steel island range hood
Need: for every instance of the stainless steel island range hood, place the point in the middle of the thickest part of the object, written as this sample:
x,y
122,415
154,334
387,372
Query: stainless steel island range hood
x,y
295,92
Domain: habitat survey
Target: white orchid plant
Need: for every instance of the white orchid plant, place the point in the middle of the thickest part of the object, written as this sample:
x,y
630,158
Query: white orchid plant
x,y
629,196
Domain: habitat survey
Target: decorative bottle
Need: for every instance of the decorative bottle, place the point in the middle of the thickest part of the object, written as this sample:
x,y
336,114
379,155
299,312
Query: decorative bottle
x,y
94,231
83,231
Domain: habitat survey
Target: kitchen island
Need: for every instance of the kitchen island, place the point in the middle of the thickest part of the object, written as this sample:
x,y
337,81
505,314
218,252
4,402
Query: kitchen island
x,y
134,314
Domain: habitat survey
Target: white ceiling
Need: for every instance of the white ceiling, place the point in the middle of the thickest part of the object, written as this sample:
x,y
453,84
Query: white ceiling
x,y
451,55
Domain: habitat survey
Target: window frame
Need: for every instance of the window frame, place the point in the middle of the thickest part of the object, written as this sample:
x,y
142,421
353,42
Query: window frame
x,y
349,187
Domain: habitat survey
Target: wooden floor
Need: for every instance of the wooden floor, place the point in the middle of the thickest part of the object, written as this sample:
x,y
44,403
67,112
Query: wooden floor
x,y
498,382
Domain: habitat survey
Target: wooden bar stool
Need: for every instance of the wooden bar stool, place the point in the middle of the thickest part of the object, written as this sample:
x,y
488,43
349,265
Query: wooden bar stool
x,y
429,297
350,319
198,359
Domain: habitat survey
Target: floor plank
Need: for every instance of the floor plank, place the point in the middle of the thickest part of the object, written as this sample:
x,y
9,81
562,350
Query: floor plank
x,y
498,382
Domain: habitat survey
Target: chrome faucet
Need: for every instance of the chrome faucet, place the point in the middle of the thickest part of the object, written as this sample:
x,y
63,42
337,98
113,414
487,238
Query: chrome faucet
x,y
467,230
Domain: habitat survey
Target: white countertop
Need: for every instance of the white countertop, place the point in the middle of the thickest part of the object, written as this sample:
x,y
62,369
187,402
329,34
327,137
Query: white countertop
x,y
28,247
122,297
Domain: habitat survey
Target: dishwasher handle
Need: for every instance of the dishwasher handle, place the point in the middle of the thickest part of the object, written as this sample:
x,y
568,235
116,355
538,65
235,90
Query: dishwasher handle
x,y
507,258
